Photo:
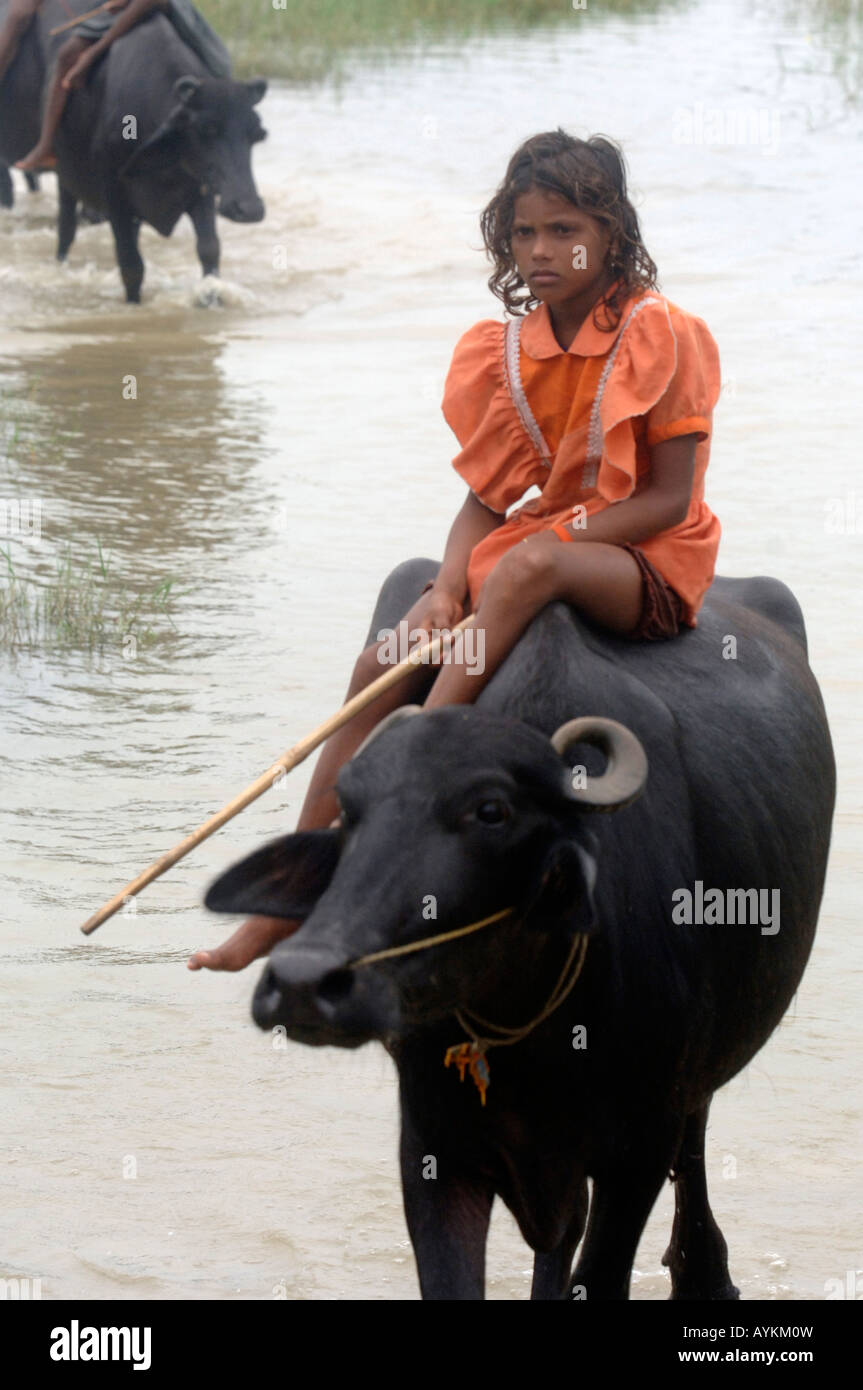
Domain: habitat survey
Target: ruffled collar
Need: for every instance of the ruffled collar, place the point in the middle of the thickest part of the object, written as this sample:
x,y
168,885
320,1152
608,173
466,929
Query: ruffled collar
x,y
538,341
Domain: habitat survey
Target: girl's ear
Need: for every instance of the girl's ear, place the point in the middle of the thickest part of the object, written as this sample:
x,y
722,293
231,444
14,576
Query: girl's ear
x,y
562,894
284,879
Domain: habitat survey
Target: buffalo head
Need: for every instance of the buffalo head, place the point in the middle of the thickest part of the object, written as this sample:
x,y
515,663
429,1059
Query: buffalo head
x,y
208,138
446,818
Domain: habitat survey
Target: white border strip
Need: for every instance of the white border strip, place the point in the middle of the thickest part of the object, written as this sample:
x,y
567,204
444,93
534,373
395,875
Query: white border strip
x,y
512,368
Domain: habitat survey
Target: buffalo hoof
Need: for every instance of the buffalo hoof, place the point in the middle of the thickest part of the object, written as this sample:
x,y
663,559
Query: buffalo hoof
x,y
711,1284
208,295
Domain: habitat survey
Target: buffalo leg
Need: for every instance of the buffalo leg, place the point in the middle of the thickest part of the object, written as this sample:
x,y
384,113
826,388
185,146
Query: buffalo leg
x,y
552,1272
619,1208
67,222
7,192
32,181
447,1218
203,215
698,1254
126,228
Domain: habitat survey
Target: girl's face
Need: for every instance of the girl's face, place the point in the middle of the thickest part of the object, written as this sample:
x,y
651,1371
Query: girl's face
x,y
560,252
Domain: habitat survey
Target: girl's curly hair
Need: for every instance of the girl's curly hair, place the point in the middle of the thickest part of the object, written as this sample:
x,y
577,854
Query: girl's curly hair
x,y
591,174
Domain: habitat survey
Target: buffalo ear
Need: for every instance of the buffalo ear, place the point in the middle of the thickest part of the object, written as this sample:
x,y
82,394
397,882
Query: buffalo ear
x,y
256,89
187,90
563,890
284,879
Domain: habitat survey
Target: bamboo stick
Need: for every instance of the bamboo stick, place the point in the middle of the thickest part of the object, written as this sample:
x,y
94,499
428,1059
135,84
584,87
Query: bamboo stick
x,y
79,19
295,755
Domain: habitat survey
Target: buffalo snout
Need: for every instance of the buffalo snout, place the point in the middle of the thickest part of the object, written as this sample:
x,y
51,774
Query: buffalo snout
x,y
249,209
318,999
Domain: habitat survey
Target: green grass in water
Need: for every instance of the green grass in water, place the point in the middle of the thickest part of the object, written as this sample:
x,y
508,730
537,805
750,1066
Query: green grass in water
x,y
309,40
82,605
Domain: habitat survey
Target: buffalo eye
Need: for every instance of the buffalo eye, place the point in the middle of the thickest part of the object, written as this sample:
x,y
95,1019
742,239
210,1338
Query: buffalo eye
x,y
208,130
492,811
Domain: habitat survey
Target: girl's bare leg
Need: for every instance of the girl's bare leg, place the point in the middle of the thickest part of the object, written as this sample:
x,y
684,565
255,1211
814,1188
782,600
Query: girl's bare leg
x,y
602,581
258,935
41,152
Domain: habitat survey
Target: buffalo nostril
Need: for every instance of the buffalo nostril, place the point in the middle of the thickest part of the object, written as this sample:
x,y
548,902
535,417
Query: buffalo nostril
x,y
335,986
266,1000
238,211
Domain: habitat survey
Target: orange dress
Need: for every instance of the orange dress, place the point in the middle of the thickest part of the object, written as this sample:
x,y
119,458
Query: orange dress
x,y
597,409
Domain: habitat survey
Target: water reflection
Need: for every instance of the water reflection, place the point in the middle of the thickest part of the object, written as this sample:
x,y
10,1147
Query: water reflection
x,y
147,447
834,31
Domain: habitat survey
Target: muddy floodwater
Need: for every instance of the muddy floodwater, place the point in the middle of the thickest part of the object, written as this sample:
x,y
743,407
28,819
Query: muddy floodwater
x,y
284,451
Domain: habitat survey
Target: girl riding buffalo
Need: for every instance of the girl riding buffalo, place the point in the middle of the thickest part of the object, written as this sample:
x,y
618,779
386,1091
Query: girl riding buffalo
x,y
598,391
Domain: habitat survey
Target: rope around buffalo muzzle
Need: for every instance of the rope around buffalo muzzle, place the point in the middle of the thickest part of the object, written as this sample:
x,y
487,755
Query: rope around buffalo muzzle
x,y
472,1056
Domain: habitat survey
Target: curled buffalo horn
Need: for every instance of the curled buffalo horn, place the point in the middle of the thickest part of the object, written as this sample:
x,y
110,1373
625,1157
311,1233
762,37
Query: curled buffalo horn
x,y
626,773
403,712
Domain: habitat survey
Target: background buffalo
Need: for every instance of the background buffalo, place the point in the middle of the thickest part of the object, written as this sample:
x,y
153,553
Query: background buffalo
x,y
150,136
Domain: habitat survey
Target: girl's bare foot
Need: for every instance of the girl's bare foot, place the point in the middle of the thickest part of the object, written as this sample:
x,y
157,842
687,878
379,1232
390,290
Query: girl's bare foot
x,y
254,938
37,159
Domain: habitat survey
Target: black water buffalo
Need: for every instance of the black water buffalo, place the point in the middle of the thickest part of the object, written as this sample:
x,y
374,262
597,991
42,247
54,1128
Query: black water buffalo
x,y
475,809
150,136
